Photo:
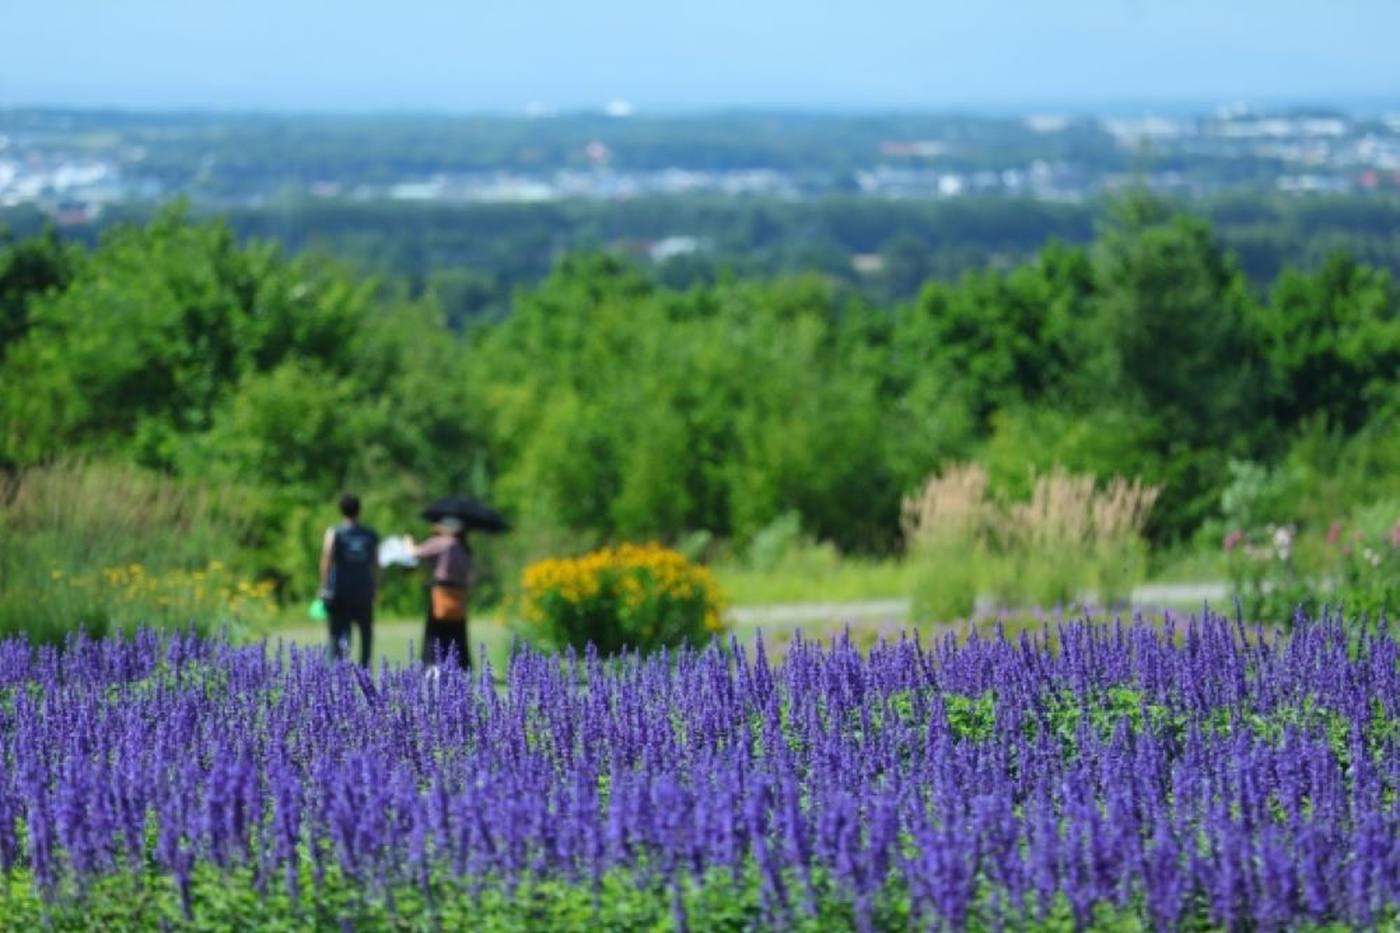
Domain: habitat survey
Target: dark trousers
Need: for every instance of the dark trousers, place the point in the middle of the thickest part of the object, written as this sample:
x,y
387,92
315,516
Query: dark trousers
x,y
342,615
445,640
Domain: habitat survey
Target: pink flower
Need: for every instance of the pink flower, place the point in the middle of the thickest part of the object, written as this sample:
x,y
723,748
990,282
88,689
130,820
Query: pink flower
x,y
1233,539
1395,535
1334,532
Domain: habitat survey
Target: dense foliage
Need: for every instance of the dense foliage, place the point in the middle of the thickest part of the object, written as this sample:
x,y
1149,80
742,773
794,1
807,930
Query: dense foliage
x,y
255,382
1356,567
607,405
1195,773
473,256
641,597
727,406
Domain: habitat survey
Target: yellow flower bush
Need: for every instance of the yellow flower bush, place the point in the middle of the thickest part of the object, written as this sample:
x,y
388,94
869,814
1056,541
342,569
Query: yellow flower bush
x,y
636,596
132,596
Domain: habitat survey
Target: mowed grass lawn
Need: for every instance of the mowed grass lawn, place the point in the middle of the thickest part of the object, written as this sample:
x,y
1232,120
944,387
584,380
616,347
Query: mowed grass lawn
x,y
399,640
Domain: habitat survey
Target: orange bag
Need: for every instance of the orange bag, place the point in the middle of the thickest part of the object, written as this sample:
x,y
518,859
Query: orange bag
x,y
449,604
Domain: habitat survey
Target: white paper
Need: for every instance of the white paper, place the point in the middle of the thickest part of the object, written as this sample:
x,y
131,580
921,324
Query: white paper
x,y
395,551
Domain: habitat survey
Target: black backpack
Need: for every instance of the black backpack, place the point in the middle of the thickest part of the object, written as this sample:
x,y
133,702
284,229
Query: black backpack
x,y
354,553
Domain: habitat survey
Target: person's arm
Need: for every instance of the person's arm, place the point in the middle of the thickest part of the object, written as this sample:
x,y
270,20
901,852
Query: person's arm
x,y
327,548
432,547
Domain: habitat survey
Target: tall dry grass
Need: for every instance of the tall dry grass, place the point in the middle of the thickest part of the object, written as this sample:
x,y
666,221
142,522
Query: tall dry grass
x,y
119,505
1120,514
946,528
1072,535
950,504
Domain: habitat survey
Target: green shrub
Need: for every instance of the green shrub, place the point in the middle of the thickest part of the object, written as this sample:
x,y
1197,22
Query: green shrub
x,y
775,541
1355,565
948,583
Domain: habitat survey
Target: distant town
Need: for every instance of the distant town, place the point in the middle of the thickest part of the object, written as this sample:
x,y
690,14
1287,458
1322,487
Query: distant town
x,y
73,165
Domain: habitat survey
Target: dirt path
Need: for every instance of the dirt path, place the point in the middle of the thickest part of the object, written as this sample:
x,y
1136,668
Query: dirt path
x,y
1170,595
797,613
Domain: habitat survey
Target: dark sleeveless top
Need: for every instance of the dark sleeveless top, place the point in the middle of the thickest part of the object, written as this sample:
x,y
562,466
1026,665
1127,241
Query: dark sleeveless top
x,y
354,552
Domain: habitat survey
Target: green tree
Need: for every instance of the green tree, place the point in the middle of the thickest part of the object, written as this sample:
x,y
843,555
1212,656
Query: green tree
x,y
29,270
1175,312
156,328
1333,343
1175,315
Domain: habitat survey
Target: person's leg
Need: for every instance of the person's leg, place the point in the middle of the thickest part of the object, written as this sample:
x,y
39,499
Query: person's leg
x,y
366,622
466,659
339,621
429,653
439,642
454,644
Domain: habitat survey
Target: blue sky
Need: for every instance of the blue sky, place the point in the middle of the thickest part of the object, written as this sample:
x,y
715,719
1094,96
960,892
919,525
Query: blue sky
x,y
471,55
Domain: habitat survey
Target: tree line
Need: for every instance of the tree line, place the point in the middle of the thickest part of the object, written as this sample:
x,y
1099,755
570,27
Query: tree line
x,y
472,258
606,404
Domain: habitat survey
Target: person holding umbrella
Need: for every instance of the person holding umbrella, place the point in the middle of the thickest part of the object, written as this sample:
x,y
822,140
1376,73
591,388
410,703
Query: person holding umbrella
x,y
450,564
449,586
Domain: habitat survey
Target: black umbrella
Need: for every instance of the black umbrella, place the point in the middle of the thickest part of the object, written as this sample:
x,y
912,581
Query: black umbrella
x,y
475,516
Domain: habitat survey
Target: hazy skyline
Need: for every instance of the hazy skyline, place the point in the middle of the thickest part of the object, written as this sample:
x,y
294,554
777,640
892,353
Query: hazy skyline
x,y
443,56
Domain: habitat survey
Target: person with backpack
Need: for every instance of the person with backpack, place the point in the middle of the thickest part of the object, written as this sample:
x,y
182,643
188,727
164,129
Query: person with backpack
x,y
350,579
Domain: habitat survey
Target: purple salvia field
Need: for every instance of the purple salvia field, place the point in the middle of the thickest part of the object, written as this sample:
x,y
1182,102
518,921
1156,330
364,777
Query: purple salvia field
x,y
1191,768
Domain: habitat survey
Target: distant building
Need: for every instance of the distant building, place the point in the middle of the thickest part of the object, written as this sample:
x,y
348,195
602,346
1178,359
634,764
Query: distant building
x,y
75,215
1131,133
598,152
672,246
868,263
416,191
913,149
1047,122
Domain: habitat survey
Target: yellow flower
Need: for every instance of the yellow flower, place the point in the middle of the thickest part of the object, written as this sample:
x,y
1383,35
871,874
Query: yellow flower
x,y
625,579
